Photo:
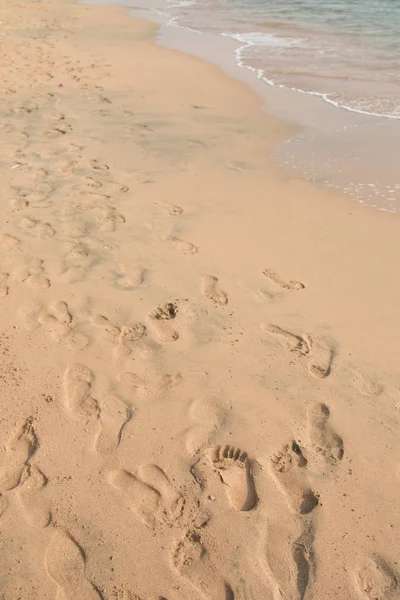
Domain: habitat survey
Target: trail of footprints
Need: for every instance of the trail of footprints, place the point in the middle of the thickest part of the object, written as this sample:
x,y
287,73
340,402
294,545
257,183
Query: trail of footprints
x,y
148,491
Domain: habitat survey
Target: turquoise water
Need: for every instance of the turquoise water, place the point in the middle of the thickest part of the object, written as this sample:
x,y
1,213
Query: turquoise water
x,y
346,51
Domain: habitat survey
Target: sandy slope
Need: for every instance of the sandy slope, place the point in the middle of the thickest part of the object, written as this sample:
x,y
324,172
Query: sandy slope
x,y
199,354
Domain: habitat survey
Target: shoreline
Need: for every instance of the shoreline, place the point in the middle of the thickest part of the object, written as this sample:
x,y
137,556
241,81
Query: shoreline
x,y
353,147
170,295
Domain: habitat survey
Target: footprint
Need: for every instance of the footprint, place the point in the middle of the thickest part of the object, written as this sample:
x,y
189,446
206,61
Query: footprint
x,y
209,418
319,352
19,448
78,381
172,502
32,273
321,356
65,562
110,218
150,494
114,415
173,209
3,284
155,383
129,280
289,559
234,470
122,337
287,469
160,318
191,560
141,498
58,322
42,230
376,580
325,441
182,246
32,496
294,343
10,242
210,288
286,285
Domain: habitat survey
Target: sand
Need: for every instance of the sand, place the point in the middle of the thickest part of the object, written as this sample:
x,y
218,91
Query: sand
x,y
199,353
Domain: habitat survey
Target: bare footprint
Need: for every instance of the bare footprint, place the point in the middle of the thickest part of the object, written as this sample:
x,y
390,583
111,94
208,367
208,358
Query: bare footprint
x,y
325,441
131,279
211,290
3,284
78,381
160,318
10,242
294,343
150,494
182,246
142,499
287,468
191,560
209,418
288,559
319,352
321,356
19,448
172,502
114,415
32,497
235,472
286,285
65,562
58,321
376,580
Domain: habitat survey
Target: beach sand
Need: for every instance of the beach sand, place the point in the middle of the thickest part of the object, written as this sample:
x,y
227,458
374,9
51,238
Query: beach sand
x,y
199,353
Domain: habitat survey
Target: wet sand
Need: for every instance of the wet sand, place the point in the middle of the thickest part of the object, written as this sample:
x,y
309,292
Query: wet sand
x,y
199,379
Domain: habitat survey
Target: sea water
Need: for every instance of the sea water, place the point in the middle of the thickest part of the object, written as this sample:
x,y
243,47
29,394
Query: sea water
x,y
344,53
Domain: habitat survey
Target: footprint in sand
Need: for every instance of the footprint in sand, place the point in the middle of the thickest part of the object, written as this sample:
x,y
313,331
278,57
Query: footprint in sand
x,y
109,219
19,448
122,337
182,246
326,443
114,416
65,562
288,470
191,560
9,242
211,290
78,381
128,279
288,559
234,470
286,285
318,352
377,580
160,319
209,418
4,284
42,230
58,322
173,209
32,273
150,494
150,384
33,498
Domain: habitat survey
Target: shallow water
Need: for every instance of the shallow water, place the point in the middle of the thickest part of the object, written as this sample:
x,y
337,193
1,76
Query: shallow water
x,y
341,54
346,51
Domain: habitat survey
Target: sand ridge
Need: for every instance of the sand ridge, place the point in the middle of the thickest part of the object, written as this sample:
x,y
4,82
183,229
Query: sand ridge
x,y
182,416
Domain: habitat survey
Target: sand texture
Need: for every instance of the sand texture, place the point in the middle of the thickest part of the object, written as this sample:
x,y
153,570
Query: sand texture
x,y
199,383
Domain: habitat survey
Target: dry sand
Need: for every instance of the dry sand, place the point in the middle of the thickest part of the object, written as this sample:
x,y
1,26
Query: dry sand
x,y
199,354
